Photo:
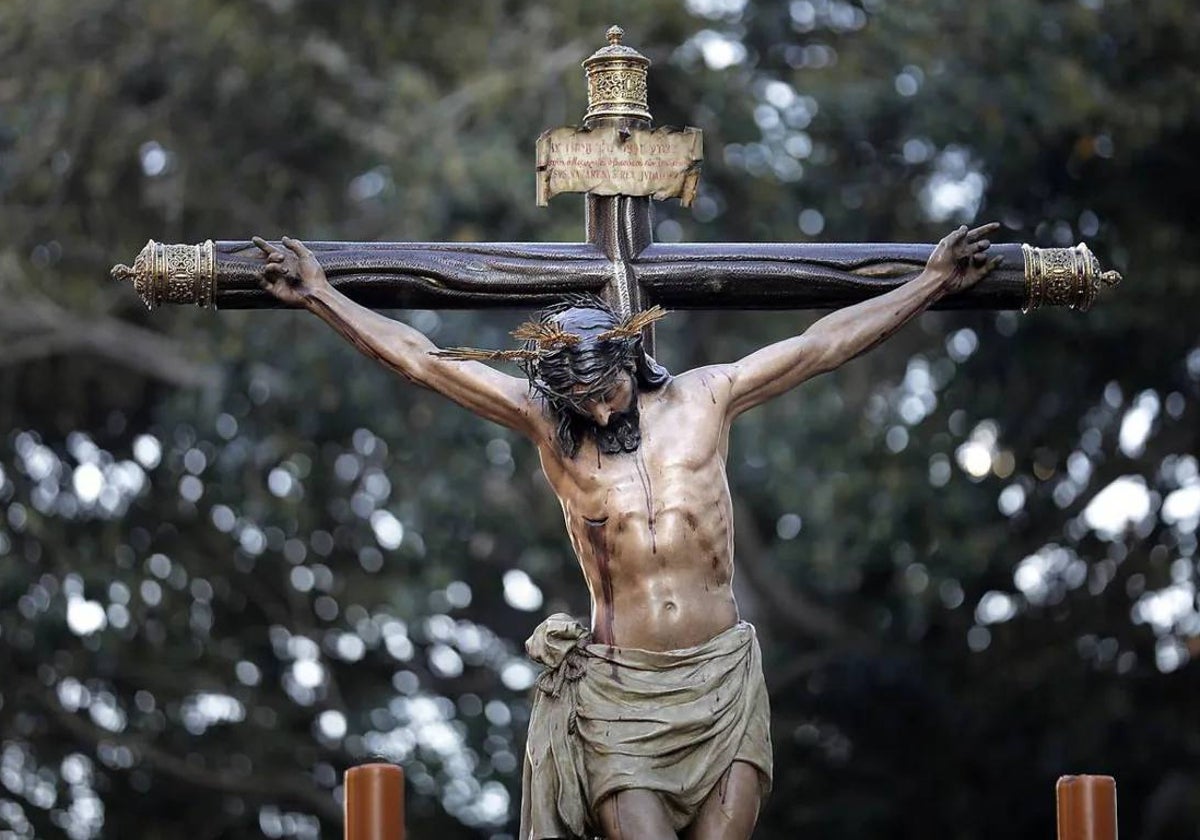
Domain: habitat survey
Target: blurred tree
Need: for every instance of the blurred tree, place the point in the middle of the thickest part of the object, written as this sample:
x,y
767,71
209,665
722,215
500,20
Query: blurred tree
x,y
236,558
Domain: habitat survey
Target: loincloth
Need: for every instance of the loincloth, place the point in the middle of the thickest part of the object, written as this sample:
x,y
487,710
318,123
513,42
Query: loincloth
x,y
607,719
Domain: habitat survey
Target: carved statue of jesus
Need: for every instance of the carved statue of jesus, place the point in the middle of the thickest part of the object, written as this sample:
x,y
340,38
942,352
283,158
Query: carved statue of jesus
x,y
652,723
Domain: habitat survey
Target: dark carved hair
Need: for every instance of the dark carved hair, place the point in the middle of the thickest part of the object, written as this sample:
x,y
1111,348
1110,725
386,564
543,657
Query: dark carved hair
x,y
571,374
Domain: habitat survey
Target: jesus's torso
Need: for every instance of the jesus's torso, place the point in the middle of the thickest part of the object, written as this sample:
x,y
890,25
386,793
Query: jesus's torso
x,y
653,529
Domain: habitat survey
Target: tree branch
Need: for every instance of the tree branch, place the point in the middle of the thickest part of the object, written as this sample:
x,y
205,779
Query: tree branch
x,y
262,785
33,326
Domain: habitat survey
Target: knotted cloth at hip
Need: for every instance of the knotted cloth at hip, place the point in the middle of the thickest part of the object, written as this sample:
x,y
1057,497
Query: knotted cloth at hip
x,y
607,719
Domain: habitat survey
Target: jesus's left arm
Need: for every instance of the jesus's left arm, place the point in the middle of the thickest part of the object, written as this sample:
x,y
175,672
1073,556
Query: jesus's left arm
x,y
958,262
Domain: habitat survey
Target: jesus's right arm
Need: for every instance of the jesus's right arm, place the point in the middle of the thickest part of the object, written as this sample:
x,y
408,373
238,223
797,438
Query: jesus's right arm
x,y
295,277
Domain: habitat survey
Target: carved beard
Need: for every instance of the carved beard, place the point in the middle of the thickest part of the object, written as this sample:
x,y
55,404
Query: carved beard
x,y
623,432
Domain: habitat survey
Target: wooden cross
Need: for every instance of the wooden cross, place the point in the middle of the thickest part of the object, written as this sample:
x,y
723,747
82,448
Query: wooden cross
x,y
620,164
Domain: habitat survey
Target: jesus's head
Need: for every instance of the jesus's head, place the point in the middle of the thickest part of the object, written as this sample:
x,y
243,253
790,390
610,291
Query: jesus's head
x,y
592,383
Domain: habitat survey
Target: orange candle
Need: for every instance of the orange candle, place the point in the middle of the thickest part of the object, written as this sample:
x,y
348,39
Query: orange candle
x,y
375,802
1087,808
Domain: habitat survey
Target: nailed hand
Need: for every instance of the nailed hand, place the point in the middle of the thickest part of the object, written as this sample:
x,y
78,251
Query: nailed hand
x,y
961,259
291,275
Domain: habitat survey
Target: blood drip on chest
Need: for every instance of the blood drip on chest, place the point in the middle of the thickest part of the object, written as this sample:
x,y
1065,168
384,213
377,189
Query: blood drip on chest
x,y
599,546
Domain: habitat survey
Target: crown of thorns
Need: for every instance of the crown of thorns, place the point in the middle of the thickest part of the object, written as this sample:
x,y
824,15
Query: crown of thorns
x,y
546,336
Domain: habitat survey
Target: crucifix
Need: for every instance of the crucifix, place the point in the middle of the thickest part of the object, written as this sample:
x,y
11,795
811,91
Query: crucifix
x,y
654,719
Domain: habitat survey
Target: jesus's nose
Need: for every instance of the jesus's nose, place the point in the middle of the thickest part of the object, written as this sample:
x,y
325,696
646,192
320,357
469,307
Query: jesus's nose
x,y
601,413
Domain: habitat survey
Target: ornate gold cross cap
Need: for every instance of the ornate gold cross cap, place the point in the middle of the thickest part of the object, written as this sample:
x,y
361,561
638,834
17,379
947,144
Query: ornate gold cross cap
x,y
1064,277
165,273
616,77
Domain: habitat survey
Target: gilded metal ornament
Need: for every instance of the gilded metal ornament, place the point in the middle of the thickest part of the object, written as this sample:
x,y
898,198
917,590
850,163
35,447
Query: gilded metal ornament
x,y
616,77
165,273
1064,277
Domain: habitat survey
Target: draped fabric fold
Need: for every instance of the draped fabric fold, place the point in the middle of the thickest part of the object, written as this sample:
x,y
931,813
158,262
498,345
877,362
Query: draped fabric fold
x,y
607,719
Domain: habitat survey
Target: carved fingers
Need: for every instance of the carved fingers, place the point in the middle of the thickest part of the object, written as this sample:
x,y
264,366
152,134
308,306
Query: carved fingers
x,y
971,253
962,258
276,259
272,253
298,248
280,273
982,266
982,231
975,244
972,243
954,237
975,263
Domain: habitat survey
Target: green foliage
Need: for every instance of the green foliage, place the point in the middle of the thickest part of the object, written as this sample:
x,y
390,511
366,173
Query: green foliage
x,y
236,558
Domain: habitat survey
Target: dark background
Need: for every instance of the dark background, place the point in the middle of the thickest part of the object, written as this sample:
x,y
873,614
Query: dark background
x,y
236,557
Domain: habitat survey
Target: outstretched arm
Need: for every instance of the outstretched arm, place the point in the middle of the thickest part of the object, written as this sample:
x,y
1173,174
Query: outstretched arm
x,y
959,262
295,277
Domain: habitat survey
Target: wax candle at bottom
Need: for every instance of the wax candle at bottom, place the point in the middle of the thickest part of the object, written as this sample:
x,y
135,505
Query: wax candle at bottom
x,y
374,802
1087,808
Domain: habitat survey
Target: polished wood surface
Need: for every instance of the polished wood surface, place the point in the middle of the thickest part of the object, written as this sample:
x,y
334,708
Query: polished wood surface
x,y
374,802
1087,808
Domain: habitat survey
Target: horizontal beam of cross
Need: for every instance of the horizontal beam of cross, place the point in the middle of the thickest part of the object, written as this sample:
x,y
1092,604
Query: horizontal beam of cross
x,y
438,275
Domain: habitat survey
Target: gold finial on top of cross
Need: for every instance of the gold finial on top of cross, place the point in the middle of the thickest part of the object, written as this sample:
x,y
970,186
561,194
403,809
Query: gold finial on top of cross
x,y
616,76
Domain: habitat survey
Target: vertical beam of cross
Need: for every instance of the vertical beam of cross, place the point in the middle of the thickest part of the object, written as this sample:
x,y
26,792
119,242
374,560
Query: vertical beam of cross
x,y
620,227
